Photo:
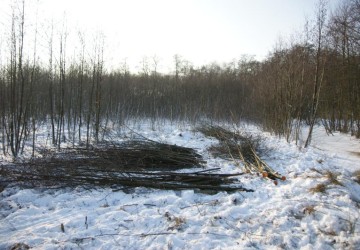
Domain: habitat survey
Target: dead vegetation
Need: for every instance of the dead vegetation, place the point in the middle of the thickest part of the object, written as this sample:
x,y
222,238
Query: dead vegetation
x,y
355,153
308,210
357,176
319,188
135,163
177,222
240,146
333,178
19,246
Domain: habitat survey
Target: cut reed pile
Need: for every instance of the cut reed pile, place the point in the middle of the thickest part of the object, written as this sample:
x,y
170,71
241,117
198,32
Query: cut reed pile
x,y
240,146
136,163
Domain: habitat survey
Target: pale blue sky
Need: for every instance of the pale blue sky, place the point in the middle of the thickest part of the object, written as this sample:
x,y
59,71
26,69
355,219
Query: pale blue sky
x,y
201,31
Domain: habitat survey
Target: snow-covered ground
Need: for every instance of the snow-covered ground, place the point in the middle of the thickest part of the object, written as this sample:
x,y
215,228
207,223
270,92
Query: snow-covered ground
x,y
290,215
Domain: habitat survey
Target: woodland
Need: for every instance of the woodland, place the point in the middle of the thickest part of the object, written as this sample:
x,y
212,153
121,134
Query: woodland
x,y
219,156
309,78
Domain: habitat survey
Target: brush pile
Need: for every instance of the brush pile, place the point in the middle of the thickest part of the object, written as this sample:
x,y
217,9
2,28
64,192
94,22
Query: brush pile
x,y
240,146
135,163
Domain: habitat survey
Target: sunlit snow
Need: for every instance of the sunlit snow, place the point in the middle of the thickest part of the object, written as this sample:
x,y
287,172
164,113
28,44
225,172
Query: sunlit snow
x,y
283,216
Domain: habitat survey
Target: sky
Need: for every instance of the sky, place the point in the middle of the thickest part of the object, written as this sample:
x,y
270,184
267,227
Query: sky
x,y
200,31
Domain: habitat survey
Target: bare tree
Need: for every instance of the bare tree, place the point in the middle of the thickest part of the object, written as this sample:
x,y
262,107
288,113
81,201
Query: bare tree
x,y
81,79
18,117
62,88
320,58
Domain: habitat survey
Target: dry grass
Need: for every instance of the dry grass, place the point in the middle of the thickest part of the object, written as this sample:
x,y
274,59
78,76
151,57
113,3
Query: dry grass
x,y
177,222
356,153
309,210
356,175
319,188
332,178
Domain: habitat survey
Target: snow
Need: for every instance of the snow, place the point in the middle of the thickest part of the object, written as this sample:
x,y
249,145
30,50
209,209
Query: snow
x,y
339,146
284,216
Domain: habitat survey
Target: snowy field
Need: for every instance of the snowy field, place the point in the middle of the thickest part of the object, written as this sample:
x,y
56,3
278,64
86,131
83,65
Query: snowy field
x,y
290,215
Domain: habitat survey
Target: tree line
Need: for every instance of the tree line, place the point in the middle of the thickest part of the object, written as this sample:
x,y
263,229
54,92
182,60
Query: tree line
x,y
309,78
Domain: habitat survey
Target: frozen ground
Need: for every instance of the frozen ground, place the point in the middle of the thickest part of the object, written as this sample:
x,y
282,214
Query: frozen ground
x,y
289,215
